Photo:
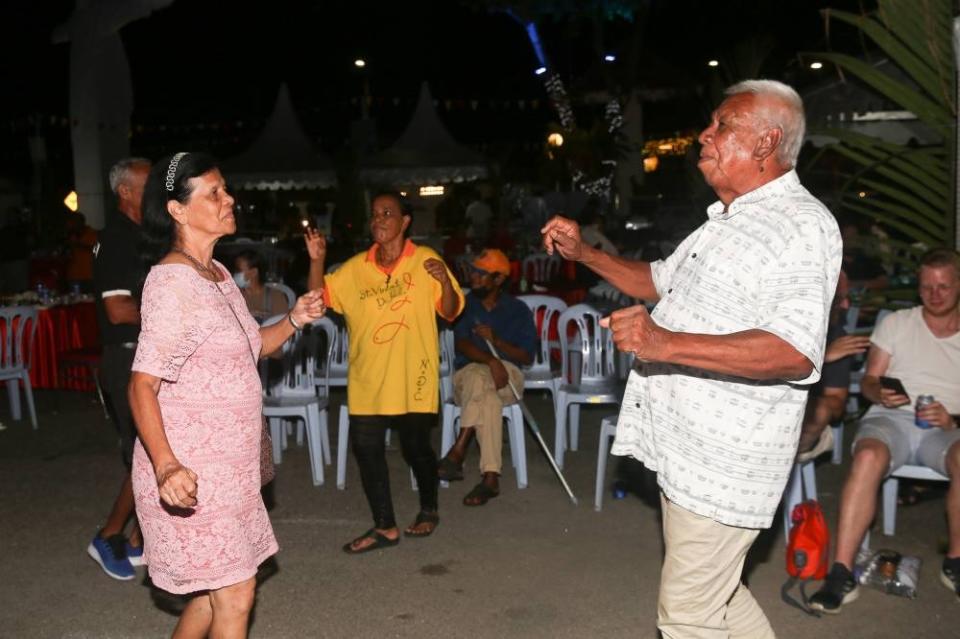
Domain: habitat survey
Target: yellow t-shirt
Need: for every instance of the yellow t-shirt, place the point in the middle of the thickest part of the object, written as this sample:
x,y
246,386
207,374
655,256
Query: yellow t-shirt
x,y
394,350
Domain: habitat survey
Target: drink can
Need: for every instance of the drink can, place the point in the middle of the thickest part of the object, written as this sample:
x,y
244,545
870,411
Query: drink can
x,y
922,400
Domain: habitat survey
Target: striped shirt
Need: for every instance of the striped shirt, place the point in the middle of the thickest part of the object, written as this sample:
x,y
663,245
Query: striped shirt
x,y
723,446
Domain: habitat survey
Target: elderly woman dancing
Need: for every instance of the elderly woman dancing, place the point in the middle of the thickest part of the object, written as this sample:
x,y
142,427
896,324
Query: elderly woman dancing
x,y
390,296
196,399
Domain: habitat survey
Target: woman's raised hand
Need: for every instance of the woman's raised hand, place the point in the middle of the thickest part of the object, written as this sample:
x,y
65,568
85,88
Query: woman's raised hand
x,y
316,243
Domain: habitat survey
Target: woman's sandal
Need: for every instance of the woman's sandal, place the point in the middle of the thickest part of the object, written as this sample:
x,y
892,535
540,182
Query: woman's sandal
x,y
479,495
449,470
379,541
422,518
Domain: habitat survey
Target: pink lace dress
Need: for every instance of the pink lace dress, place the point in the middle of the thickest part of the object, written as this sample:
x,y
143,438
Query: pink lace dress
x,y
199,339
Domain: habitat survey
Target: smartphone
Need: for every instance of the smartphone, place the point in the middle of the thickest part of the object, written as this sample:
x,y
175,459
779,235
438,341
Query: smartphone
x,y
894,384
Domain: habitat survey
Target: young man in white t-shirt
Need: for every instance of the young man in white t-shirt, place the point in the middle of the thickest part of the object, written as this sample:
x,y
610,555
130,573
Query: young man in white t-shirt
x,y
919,346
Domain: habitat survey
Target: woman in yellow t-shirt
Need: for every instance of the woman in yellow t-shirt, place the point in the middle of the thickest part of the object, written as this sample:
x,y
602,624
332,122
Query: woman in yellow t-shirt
x,y
390,296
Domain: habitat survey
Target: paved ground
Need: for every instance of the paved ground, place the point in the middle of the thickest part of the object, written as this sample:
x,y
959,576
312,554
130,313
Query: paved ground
x,y
529,564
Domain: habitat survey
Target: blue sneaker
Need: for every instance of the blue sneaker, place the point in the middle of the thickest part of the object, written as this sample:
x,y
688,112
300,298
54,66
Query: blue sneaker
x,y
109,553
134,554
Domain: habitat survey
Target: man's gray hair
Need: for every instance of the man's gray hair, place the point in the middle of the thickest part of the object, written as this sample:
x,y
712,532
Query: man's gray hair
x,y
790,119
120,171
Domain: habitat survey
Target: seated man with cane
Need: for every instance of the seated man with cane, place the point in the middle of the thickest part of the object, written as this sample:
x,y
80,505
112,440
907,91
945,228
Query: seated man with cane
x,y
482,382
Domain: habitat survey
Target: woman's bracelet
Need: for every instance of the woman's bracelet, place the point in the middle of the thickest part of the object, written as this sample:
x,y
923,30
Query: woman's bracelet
x,y
293,322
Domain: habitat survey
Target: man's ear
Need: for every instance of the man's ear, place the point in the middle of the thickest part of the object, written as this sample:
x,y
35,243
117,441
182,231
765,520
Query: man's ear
x,y
768,144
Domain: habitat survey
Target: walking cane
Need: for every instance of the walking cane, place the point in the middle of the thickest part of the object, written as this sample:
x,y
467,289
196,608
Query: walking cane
x,y
532,423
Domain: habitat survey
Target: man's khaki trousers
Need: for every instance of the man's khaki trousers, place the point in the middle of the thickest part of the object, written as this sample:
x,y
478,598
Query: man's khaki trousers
x,y
481,406
701,596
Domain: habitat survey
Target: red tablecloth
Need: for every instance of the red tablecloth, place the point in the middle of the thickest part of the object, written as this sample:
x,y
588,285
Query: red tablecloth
x,y
61,328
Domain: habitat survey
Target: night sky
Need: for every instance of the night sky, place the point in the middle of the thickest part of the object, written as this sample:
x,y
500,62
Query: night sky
x,y
203,61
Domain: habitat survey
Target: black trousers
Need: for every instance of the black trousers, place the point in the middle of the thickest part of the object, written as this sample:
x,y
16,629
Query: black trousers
x,y
368,432
115,376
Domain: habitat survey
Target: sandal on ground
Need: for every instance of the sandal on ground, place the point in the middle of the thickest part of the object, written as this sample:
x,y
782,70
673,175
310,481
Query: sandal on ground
x,y
480,495
912,493
449,470
379,541
422,518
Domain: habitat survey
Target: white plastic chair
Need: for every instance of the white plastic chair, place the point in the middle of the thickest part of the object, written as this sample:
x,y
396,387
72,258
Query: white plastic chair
x,y
19,331
540,267
295,396
540,375
447,356
595,382
608,429
286,290
891,485
518,447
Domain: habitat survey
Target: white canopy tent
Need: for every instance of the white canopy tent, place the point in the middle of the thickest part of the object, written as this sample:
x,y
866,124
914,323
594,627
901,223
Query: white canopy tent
x,y
282,157
425,154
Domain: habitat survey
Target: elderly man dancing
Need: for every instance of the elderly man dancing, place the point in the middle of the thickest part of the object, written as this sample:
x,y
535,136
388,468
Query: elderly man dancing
x,y
716,400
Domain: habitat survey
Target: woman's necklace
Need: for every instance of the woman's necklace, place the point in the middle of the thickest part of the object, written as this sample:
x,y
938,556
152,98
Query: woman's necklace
x,y
383,262
203,269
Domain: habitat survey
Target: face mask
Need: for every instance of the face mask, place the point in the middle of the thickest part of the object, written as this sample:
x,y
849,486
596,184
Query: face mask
x,y
241,280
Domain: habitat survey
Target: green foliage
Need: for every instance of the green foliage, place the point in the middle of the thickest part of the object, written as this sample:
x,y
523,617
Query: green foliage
x,y
906,189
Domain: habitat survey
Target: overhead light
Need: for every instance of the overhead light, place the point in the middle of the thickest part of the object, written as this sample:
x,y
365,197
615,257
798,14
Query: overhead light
x,y
666,146
650,163
555,139
540,70
71,201
713,63
430,191
862,194
609,58
359,63
403,194
816,65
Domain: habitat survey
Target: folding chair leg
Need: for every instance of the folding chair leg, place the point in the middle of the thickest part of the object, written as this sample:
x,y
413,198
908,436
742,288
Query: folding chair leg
x,y
890,486
325,435
314,444
28,393
13,395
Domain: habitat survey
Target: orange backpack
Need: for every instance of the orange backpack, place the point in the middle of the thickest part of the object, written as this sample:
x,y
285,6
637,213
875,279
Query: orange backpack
x,y
807,551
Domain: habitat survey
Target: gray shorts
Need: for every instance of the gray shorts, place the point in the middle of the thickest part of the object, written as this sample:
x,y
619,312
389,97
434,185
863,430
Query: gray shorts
x,y
907,443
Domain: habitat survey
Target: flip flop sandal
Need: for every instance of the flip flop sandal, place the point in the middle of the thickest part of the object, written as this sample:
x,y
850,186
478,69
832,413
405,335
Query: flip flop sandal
x,y
379,541
480,495
449,470
422,518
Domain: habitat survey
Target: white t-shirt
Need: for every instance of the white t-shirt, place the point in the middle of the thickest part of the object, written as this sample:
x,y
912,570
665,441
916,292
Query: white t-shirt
x,y
925,363
723,446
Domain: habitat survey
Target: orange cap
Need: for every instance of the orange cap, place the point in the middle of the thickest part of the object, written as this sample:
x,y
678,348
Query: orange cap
x,y
492,261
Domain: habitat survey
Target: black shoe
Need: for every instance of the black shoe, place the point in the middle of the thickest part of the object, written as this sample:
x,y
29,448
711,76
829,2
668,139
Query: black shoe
x,y
838,589
950,574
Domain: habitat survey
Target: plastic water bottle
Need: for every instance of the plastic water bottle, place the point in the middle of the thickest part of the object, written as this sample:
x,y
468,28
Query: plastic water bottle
x,y
619,489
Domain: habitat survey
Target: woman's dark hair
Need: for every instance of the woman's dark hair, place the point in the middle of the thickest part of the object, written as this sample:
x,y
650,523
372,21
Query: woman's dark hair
x,y
158,229
252,257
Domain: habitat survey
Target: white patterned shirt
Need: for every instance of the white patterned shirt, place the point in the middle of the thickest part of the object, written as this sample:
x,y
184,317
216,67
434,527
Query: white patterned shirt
x,y
723,446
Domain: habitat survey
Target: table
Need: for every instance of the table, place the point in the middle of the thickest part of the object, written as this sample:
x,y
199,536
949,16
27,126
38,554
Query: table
x,y
61,328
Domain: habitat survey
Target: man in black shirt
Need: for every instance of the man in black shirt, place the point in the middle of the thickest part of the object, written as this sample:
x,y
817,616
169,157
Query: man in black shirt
x,y
828,397
117,275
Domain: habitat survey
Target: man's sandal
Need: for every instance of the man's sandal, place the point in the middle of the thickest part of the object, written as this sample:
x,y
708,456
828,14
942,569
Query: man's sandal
x,y
422,518
449,470
480,495
379,541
